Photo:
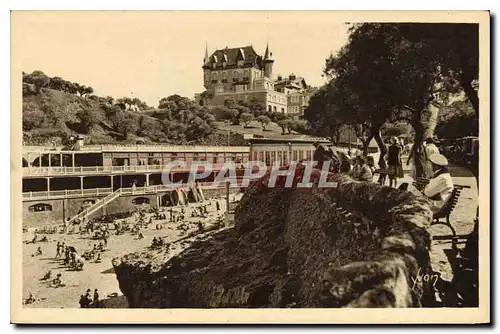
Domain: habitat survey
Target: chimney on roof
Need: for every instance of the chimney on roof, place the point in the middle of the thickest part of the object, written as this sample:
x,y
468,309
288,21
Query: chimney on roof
x,y
292,76
280,77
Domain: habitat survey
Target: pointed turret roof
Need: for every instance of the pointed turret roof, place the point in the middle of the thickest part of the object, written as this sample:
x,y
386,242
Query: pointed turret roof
x,y
268,56
205,59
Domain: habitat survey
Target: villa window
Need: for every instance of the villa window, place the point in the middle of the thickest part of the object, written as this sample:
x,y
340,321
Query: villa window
x,y
40,207
274,108
270,108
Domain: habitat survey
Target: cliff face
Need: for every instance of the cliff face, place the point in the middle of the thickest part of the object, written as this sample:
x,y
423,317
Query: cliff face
x,y
355,245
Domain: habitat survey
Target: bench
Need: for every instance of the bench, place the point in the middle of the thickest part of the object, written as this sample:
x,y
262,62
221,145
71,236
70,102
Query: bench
x,y
442,217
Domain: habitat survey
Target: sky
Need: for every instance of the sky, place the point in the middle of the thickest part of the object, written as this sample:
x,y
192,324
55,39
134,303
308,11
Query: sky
x,y
150,55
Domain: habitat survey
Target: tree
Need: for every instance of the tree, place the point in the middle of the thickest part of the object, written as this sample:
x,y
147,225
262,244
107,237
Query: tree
x,y
88,118
391,67
33,117
456,47
263,120
39,80
122,103
87,90
197,129
80,89
70,87
143,105
299,126
458,120
329,110
256,106
246,118
144,126
283,124
83,90
291,125
28,89
57,83
123,123
109,99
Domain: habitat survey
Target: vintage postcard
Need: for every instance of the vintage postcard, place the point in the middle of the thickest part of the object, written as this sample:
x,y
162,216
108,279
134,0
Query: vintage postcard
x,y
250,167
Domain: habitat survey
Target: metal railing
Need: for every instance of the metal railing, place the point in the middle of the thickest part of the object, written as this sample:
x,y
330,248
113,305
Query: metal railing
x,y
96,206
141,148
55,171
60,194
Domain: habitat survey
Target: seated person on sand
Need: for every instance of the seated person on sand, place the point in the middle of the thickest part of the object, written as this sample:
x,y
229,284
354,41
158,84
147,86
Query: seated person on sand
x,y
57,282
440,186
31,299
47,275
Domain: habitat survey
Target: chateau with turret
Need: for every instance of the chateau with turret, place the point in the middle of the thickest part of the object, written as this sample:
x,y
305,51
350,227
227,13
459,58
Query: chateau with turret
x,y
241,74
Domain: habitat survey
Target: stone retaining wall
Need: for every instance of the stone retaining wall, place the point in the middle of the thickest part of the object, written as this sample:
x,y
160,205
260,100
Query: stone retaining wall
x,y
355,245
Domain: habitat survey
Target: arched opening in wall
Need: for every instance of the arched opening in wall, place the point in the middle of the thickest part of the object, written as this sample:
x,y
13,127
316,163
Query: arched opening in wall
x,y
25,163
140,201
270,109
40,207
274,108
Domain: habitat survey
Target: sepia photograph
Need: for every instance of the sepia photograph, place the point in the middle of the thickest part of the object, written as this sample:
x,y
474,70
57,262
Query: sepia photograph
x,y
201,166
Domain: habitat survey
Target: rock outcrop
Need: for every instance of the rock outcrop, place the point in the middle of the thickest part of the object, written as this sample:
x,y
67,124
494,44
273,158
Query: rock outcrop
x,y
354,245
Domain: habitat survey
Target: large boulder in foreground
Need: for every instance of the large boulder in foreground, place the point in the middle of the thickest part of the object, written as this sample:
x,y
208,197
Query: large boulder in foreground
x,y
355,245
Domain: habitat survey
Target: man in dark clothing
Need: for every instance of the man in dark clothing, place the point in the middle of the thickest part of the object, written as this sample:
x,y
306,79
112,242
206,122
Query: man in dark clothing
x,y
319,155
87,299
95,302
82,301
58,253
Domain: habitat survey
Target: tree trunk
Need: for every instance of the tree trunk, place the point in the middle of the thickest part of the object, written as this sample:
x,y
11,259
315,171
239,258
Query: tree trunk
x,y
471,93
417,145
431,121
380,143
366,142
374,134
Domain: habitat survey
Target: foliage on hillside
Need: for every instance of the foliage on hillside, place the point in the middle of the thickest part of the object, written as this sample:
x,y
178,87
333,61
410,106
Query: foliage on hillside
x,y
244,113
55,109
